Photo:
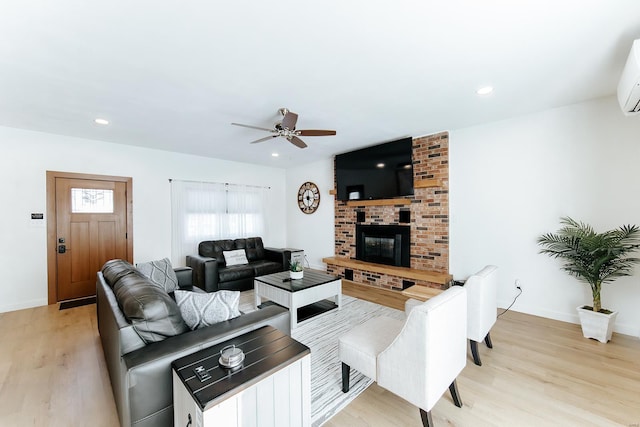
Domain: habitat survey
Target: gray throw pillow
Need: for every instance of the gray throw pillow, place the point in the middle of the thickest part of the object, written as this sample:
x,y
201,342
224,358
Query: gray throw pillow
x,y
160,273
200,310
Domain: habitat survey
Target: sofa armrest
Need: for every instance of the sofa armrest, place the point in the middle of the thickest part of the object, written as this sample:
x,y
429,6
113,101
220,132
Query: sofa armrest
x,y
185,280
148,369
185,276
281,256
205,272
188,342
117,337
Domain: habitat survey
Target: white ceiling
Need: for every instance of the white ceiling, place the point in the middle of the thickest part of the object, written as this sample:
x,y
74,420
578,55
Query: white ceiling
x,y
173,74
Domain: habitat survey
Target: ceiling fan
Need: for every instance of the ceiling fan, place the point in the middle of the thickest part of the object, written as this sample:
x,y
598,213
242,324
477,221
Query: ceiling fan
x,y
287,129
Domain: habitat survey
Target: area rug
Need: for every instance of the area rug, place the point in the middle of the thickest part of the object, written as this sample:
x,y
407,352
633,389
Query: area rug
x,y
321,335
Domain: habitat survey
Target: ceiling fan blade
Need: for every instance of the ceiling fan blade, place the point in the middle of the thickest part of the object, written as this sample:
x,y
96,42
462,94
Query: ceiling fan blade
x,y
289,120
253,127
263,139
297,141
316,132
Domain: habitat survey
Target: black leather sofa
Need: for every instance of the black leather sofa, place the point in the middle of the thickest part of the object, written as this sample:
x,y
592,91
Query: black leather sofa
x,y
140,370
211,272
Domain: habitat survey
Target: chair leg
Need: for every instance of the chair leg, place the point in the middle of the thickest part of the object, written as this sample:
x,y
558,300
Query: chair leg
x,y
426,418
474,352
453,388
345,377
487,340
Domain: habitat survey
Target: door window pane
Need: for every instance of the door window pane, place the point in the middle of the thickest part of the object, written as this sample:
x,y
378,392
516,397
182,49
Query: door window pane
x,y
89,200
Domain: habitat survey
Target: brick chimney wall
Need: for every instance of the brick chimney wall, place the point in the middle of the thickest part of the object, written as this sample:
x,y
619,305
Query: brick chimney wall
x,y
429,216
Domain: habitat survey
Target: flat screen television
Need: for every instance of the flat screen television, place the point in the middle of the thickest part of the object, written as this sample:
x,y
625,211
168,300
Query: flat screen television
x,y
381,171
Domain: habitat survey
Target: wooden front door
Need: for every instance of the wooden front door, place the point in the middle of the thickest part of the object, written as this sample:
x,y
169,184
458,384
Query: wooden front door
x,y
91,228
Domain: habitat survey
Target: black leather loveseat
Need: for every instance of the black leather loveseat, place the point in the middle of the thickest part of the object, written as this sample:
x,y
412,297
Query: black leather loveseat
x,y
211,272
142,332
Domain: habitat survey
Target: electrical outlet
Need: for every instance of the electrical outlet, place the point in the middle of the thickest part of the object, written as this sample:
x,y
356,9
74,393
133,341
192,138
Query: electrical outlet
x,y
518,284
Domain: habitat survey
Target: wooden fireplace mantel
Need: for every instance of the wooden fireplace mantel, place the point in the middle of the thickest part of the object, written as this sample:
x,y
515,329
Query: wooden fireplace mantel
x,y
404,272
379,202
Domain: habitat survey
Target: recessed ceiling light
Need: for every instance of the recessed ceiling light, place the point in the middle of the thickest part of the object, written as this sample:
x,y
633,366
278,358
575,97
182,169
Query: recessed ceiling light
x,y
274,154
485,90
102,121
380,165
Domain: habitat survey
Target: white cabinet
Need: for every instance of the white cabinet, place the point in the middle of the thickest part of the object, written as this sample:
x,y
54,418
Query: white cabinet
x,y
271,389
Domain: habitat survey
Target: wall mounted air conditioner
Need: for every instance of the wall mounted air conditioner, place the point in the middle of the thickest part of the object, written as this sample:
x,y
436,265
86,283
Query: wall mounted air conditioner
x,y
629,86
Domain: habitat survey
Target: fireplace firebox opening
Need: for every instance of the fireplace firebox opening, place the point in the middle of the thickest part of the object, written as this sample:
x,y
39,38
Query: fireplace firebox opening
x,y
384,244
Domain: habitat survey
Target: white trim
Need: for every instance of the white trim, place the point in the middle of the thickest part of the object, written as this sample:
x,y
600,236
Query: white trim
x,y
620,328
39,302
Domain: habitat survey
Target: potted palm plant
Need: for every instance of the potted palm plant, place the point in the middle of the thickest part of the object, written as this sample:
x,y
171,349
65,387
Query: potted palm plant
x,y
295,270
593,258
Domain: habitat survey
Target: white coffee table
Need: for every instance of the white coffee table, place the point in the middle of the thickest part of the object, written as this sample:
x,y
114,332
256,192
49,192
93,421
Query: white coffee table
x,y
313,287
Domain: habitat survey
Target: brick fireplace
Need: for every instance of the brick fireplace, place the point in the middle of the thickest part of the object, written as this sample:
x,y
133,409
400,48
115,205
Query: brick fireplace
x,y
426,213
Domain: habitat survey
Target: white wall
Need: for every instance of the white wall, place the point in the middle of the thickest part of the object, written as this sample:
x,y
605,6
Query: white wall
x,y
312,232
511,181
26,156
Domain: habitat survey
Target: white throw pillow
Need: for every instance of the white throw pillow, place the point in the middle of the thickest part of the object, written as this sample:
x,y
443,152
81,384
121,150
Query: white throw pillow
x,y
236,257
161,273
200,310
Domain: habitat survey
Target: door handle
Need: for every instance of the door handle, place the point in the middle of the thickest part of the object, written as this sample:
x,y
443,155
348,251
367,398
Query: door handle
x,y
62,249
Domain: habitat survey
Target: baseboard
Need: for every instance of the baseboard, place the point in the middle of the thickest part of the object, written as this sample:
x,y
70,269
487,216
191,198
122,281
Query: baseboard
x,y
25,304
621,328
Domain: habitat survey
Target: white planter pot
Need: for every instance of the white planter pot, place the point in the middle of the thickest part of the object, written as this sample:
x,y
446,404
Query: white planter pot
x,y
597,325
295,275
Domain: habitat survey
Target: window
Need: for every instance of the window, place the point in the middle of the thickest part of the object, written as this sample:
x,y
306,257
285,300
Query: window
x,y
90,200
211,211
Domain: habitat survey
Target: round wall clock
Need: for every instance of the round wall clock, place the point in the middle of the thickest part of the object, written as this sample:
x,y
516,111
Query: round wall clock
x,y
308,197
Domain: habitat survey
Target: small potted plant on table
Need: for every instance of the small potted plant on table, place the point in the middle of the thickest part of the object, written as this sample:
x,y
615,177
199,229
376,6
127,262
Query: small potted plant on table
x,y
295,270
593,258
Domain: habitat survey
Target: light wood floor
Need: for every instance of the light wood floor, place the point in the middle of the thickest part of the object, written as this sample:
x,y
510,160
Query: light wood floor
x,y
540,373
52,370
